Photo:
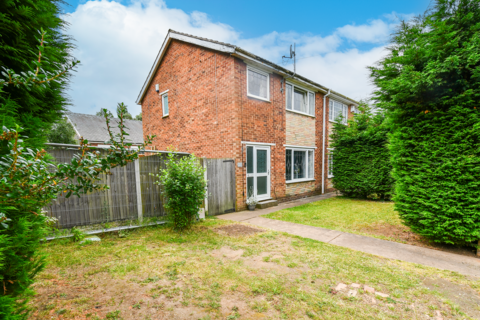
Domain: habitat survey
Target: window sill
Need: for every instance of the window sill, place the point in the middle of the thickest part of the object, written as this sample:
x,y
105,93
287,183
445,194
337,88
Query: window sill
x,y
165,116
298,112
329,177
300,180
258,98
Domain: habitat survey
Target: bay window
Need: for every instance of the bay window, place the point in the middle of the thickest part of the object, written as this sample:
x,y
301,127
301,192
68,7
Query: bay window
x,y
338,109
299,164
299,99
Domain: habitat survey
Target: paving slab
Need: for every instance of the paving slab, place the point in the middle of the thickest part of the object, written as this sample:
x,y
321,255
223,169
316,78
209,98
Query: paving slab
x,y
393,250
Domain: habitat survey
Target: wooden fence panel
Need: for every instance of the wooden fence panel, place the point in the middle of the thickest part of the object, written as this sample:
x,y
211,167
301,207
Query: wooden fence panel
x,y
120,201
221,186
152,200
115,204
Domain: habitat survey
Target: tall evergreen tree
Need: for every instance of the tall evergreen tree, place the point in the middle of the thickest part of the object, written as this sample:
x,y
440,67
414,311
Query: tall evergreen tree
x,y
430,86
37,108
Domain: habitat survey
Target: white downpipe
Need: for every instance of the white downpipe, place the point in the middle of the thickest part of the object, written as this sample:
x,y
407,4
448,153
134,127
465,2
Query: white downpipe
x,y
323,145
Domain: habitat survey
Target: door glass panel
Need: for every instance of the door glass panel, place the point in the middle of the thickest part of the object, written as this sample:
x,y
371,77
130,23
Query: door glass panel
x,y
261,161
249,186
288,165
261,185
249,159
299,163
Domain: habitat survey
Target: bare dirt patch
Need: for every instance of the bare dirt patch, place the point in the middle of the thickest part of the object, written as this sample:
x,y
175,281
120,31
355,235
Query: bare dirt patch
x,y
226,252
405,235
465,297
266,261
237,230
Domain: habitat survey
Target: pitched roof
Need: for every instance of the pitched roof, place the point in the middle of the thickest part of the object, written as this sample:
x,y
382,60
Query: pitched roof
x,y
235,51
94,129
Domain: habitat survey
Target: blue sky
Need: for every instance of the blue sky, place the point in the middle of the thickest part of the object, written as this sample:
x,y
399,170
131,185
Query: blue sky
x,y
336,40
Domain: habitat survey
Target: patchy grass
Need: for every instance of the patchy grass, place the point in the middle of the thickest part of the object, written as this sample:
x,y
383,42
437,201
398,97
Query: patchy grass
x,y
364,217
205,274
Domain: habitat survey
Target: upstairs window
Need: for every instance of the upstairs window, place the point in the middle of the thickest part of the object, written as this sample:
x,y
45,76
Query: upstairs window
x,y
338,109
300,100
258,84
164,96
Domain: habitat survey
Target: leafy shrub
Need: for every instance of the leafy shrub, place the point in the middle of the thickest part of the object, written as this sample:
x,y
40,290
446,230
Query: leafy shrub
x,y
430,85
184,184
62,132
77,234
361,159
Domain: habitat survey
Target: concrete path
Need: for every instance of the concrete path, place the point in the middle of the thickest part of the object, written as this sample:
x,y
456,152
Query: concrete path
x,y
388,249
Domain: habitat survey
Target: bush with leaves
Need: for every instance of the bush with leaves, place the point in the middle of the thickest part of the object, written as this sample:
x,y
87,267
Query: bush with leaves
x,y
361,159
184,184
62,132
28,182
430,86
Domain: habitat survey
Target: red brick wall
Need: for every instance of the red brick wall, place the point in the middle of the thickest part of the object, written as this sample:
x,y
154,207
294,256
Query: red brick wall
x,y
202,115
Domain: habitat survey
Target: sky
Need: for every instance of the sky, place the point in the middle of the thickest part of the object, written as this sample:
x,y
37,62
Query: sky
x,y
117,41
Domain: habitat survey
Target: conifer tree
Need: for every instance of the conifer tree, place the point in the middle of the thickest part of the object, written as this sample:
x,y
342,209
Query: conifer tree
x,y
430,86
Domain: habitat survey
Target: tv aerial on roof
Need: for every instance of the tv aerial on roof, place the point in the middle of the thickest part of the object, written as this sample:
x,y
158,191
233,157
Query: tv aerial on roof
x,y
293,56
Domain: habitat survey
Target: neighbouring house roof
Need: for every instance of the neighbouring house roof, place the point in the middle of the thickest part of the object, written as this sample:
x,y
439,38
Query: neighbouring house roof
x,y
94,129
237,52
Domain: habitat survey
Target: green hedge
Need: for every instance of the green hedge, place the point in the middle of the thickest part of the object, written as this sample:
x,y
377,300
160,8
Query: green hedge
x,y
361,160
430,86
437,167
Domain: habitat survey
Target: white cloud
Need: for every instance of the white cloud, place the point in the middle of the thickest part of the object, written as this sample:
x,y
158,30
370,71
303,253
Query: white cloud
x,y
117,45
376,32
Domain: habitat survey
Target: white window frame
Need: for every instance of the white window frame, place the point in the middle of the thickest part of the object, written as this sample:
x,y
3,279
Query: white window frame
x,y
329,154
331,112
163,109
268,84
293,99
306,149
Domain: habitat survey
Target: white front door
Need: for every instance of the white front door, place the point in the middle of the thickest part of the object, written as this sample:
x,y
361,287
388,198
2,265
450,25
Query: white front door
x,y
258,172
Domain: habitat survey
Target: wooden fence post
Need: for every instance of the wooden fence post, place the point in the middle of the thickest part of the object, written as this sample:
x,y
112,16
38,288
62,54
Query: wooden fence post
x,y
206,186
138,188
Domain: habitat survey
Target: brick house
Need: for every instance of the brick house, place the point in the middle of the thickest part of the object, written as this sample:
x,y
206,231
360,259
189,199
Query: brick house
x,y
217,100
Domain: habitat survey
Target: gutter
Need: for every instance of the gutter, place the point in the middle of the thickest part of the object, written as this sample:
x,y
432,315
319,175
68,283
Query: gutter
x,y
323,145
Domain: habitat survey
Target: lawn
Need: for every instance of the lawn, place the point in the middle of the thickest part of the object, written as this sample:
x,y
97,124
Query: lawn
x,y
223,270
343,214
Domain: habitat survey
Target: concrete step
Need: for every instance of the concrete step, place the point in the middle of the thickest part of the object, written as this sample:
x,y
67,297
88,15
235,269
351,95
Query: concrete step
x,y
267,204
